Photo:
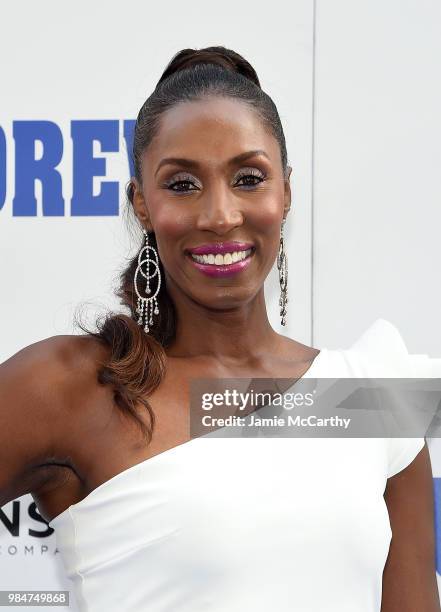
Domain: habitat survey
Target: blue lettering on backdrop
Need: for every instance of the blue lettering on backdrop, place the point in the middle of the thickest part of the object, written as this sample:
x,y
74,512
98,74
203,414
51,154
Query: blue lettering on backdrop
x,y
2,168
129,128
28,169
85,167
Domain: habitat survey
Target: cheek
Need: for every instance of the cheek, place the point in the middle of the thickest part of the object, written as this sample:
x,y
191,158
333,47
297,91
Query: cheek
x,y
268,217
266,213
170,219
173,224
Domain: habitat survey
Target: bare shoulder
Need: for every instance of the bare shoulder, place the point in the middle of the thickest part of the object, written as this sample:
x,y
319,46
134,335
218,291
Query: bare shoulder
x,y
52,370
291,348
55,355
39,388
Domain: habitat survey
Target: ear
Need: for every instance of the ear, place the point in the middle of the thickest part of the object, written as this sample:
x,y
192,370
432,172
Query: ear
x,y
140,205
287,194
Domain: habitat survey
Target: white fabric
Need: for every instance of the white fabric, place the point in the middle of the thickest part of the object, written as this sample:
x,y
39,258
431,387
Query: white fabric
x,y
248,524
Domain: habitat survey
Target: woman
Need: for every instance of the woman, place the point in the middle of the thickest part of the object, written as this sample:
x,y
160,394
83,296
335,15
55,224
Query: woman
x,y
147,518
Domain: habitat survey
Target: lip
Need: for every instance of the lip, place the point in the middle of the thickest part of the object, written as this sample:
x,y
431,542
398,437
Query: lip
x,y
221,247
219,270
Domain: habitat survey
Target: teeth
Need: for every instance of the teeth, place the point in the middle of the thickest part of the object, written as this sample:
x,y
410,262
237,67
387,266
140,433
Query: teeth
x,y
221,260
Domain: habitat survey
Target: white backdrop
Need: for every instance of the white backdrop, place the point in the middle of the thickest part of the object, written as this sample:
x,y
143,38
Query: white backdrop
x,y
358,97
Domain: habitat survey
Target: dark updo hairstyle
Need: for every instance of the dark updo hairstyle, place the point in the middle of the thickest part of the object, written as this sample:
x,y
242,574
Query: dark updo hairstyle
x,y
137,360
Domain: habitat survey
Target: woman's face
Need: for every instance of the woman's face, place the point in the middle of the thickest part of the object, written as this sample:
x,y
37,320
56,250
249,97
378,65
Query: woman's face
x,y
213,177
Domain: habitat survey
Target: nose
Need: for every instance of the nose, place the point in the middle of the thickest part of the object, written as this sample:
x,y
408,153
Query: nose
x,y
219,211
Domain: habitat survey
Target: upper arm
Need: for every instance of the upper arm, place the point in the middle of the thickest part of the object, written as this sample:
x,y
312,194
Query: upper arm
x,y
409,577
31,395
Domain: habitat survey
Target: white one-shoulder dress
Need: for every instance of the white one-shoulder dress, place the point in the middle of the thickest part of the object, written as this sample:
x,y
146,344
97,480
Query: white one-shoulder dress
x,y
248,524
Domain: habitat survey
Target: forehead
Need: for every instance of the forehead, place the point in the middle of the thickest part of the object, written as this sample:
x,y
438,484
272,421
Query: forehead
x,y
214,128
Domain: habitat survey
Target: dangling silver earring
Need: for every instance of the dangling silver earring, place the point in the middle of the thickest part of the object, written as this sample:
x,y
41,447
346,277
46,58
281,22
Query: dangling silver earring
x,y
282,265
147,306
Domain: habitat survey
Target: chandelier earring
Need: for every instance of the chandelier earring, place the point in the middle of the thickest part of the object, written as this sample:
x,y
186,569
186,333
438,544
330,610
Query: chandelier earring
x,y
148,267
282,266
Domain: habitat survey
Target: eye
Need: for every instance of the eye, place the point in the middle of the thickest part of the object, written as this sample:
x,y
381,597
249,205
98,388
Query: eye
x,y
182,183
250,177
181,186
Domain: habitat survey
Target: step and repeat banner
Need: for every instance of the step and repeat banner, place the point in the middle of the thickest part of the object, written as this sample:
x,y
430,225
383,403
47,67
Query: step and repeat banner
x,y
354,86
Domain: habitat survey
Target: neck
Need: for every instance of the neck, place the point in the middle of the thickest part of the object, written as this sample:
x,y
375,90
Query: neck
x,y
236,334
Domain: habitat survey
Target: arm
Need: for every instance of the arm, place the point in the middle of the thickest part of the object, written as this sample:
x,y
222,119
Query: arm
x,y
409,577
31,383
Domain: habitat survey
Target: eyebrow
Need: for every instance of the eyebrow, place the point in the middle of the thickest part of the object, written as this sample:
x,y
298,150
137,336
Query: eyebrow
x,y
190,163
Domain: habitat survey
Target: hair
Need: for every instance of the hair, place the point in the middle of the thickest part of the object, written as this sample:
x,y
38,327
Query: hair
x,y
136,365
